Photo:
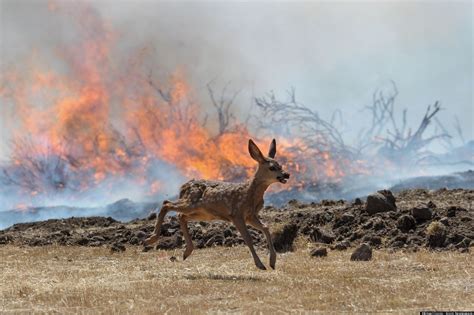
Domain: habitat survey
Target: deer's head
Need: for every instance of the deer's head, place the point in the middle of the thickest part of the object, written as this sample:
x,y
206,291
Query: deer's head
x,y
269,170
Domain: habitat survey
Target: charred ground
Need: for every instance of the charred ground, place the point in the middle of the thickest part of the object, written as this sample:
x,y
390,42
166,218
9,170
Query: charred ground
x,y
438,219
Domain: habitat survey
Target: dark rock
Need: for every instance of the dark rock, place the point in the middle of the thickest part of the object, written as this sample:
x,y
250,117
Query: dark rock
x,y
169,242
406,222
323,236
228,233
135,241
401,238
117,247
356,235
98,238
357,202
451,212
466,219
140,234
342,245
152,216
431,205
445,221
5,239
372,240
147,248
284,238
216,239
381,201
319,252
362,253
436,233
83,241
422,213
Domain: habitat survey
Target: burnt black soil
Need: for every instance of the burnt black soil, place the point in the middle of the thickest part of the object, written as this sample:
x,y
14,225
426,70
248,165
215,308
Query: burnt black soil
x,y
335,224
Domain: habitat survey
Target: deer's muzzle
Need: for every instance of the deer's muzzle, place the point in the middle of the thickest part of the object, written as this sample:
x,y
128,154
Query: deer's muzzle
x,y
283,178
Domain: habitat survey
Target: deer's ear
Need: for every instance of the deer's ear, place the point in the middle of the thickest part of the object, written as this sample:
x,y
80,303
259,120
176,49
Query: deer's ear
x,y
255,152
273,149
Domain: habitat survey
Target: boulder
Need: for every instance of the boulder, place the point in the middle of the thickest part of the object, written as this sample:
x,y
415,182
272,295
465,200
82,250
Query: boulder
x,y
422,213
323,236
406,222
362,253
283,239
381,201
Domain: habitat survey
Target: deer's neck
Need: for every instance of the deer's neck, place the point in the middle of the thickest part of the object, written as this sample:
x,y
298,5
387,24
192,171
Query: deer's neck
x,y
257,189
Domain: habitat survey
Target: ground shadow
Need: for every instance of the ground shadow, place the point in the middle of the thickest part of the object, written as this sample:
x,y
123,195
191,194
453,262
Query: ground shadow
x,y
211,276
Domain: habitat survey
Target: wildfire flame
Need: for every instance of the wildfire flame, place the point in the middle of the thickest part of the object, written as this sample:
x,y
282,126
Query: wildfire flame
x,y
77,127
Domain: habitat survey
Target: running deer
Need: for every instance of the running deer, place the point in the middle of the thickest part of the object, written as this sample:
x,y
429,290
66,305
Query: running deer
x,y
239,203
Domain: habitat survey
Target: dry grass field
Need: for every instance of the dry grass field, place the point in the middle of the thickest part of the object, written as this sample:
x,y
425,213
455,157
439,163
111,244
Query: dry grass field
x,y
59,279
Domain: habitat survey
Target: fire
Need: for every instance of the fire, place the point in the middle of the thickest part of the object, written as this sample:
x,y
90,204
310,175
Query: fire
x,y
77,128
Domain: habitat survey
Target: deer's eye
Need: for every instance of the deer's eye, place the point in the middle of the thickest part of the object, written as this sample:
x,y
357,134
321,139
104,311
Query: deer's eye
x,y
272,168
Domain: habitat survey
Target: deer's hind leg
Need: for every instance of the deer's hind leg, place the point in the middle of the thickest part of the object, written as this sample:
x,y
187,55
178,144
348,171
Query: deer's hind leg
x,y
159,221
183,222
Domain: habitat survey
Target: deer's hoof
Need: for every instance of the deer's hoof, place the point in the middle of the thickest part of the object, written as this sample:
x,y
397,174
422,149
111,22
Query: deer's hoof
x,y
261,266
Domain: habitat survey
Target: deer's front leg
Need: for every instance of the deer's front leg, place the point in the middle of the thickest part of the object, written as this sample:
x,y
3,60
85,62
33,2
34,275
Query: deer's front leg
x,y
256,223
240,225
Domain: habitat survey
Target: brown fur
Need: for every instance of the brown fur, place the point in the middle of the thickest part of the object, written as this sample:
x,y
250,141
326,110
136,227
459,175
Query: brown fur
x,y
239,203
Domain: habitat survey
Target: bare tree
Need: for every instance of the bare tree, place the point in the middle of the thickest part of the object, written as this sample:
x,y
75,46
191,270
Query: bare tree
x,y
299,119
223,106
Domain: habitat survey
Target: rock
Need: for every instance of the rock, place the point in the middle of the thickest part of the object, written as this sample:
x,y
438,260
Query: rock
x,y
346,218
228,232
83,241
372,240
216,239
357,202
284,238
169,242
5,239
323,236
342,245
117,247
431,205
140,234
444,220
422,213
135,241
147,248
406,222
152,216
436,233
362,253
319,252
381,201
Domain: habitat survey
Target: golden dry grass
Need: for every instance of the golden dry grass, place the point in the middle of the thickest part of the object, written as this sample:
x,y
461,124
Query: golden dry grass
x,y
93,280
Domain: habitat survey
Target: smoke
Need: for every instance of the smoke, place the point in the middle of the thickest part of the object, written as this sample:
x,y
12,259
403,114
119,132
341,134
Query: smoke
x,y
334,54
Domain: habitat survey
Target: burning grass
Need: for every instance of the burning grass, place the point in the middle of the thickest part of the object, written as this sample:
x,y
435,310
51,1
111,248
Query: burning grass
x,y
92,280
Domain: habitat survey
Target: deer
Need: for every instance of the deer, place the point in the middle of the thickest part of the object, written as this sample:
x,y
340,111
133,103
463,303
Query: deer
x,y
237,203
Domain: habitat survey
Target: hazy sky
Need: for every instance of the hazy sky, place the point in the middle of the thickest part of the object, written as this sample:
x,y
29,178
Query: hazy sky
x,y
334,53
